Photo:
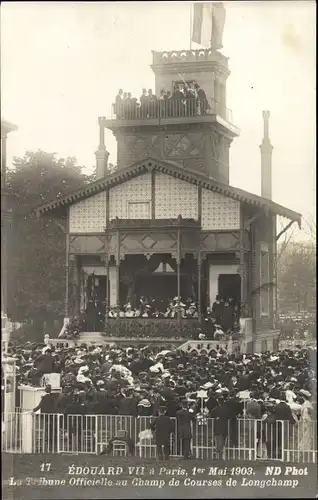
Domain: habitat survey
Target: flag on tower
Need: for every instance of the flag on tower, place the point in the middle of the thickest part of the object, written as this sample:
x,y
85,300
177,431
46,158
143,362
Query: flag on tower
x,y
208,24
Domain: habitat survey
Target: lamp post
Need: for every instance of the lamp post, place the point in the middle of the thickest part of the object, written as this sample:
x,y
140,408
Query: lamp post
x,y
6,219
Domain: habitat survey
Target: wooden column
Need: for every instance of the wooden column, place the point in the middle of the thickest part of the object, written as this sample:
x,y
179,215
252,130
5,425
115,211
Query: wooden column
x,y
153,194
178,271
274,272
199,282
107,279
107,258
118,267
67,251
77,283
242,257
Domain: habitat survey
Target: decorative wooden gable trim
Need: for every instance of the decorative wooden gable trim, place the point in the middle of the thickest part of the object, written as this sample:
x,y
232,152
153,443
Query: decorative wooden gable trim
x,y
174,170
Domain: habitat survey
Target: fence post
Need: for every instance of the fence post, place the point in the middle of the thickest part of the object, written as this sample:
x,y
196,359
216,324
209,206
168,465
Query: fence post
x,y
255,437
27,432
96,434
283,439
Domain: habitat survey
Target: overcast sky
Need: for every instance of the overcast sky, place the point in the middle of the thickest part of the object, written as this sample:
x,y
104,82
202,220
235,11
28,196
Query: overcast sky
x,y
62,64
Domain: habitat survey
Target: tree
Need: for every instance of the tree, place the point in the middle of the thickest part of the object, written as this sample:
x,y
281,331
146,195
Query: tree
x,y
297,277
36,281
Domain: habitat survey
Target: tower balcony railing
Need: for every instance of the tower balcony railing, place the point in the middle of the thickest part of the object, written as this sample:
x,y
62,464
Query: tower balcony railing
x,y
171,108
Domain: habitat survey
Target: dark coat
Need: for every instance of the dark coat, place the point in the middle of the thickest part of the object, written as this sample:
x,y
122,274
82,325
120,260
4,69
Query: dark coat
x,y
106,406
47,404
62,402
128,406
162,426
144,411
222,415
283,412
45,364
184,419
211,404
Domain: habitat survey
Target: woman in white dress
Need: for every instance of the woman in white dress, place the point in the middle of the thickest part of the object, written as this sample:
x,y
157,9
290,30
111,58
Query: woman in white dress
x,y
306,434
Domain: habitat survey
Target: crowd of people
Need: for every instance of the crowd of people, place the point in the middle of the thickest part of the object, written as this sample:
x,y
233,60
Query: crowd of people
x,y
100,380
220,320
297,326
186,99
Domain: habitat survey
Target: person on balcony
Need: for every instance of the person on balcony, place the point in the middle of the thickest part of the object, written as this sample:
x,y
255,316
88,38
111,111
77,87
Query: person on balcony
x,y
167,98
192,312
138,312
147,311
118,107
227,318
162,103
177,101
191,98
158,314
152,104
132,106
144,104
217,309
126,106
203,102
129,313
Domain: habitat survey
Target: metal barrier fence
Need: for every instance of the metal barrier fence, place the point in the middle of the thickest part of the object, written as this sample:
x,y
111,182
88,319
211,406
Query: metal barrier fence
x,y
245,439
172,108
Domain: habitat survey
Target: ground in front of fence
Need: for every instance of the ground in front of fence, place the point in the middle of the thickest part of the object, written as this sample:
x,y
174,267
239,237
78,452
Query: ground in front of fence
x,y
16,469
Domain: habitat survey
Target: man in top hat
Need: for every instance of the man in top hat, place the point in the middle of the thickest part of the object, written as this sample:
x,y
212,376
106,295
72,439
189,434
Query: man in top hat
x,y
184,420
162,426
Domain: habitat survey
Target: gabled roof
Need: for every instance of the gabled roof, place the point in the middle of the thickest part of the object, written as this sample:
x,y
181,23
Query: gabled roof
x,y
175,170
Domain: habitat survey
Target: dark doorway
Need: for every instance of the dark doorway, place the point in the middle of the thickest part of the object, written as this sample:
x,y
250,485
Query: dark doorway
x,y
96,303
97,287
229,286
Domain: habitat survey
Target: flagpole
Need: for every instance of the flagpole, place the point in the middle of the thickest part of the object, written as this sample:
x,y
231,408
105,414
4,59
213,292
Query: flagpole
x,y
191,22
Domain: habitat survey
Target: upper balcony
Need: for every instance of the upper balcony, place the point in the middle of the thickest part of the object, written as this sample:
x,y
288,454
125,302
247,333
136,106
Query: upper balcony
x,y
130,113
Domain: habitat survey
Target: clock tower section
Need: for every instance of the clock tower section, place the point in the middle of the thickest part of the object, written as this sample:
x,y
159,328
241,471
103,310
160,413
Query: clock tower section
x,y
195,136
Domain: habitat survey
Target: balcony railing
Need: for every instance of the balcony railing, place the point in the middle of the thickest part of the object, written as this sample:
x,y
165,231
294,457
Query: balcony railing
x,y
170,108
146,223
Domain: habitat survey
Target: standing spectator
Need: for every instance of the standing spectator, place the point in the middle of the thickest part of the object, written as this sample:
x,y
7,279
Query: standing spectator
x,y
45,363
184,431
162,426
221,416
203,102
48,418
119,104
152,104
128,405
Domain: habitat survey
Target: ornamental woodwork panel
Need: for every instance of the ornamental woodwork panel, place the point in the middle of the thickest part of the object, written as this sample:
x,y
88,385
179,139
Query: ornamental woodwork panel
x,y
89,216
183,145
219,242
124,198
219,148
87,244
190,240
219,212
148,243
175,197
112,244
132,148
